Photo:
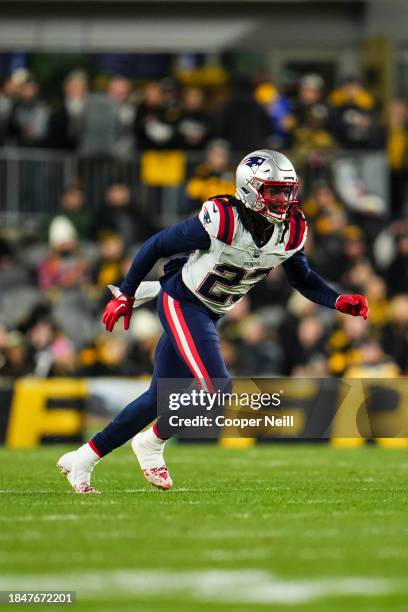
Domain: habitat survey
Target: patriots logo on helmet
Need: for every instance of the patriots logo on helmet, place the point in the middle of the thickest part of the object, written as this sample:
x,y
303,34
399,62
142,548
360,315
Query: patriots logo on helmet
x,y
254,162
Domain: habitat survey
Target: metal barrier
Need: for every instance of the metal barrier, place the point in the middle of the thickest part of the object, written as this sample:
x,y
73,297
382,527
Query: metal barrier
x,y
32,180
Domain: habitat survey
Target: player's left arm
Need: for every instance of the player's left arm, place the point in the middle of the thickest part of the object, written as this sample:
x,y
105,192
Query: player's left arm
x,y
314,288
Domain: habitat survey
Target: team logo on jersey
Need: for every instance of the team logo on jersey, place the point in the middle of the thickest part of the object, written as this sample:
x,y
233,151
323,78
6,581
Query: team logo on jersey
x,y
254,162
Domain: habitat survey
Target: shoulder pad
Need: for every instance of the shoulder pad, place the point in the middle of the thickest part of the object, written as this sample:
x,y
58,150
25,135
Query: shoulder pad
x,y
217,217
297,231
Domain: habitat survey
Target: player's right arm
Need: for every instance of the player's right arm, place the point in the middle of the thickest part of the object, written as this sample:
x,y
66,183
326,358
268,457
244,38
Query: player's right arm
x,y
187,236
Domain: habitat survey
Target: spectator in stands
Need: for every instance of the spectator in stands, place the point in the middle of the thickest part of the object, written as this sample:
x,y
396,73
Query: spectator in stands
x,y
397,273
394,335
14,360
309,102
65,360
273,291
354,120
120,92
243,122
6,105
15,82
64,267
9,95
171,98
324,212
376,292
231,356
146,331
372,362
156,124
311,131
308,345
397,149
353,251
359,275
73,207
327,219
13,273
49,351
278,109
40,333
214,176
344,344
66,122
230,325
120,216
107,122
29,117
194,127
259,352
110,357
108,270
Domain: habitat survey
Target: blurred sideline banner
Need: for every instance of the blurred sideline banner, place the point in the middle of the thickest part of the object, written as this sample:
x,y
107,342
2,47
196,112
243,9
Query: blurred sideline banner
x,y
346,411
46,410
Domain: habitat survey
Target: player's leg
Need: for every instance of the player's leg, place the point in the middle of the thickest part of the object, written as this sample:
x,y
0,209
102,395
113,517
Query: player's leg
x,y
78,465
194,335
143,410
195,340
147,446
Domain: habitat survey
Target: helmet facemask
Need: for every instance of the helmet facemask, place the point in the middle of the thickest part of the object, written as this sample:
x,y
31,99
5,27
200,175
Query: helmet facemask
x,y
275,199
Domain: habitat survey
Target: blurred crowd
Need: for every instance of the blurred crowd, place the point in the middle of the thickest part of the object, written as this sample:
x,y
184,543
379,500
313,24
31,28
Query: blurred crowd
x,y
53,285
121,115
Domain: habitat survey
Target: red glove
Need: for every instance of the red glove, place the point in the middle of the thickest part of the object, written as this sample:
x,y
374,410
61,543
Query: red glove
x,y
120,306
355,305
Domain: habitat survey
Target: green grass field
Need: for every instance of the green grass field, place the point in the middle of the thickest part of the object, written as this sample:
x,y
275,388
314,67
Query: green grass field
x,y
284,527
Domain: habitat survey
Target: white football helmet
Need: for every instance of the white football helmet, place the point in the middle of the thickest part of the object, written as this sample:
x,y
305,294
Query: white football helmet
x,y
267,183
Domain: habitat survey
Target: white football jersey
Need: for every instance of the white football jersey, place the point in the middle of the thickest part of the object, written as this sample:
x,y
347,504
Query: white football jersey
x,y
222,275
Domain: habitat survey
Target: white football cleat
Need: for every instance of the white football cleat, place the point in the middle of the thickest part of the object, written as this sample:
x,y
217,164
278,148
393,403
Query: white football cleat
x,y
148,449
77,466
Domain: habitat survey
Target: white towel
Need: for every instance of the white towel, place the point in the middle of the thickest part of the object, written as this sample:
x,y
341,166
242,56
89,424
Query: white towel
x,y
147,290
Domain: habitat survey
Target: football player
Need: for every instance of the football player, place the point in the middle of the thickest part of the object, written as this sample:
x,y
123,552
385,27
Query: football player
x,y
233,243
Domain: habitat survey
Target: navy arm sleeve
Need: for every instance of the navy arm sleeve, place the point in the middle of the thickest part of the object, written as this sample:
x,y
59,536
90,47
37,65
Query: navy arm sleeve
x,y
308,282
187,236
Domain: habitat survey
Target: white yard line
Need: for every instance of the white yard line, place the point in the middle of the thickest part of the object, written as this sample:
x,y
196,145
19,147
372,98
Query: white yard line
x,y
257,587
28,518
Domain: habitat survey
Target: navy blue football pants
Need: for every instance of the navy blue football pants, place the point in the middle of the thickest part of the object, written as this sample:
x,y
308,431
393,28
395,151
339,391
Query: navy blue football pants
x,y
188,349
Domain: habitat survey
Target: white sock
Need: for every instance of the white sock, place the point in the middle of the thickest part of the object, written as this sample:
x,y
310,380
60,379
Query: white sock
x,y
86,454
150,436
